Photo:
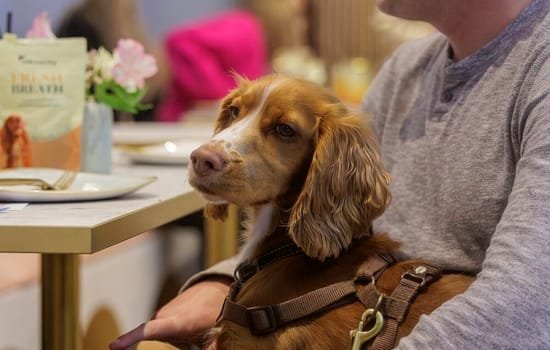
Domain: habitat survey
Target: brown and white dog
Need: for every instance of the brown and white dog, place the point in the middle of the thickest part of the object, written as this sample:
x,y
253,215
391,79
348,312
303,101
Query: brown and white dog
x,y
306,169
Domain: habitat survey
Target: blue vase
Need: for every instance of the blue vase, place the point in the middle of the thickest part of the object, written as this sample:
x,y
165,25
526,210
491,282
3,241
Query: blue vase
x,y
96,138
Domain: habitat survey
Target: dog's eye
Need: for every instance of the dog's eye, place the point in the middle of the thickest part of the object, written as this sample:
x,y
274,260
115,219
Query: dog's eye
x,y
284,130
233,112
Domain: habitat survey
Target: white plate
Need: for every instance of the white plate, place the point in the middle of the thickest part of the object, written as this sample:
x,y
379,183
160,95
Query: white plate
x,y
144,134
86,186
169,152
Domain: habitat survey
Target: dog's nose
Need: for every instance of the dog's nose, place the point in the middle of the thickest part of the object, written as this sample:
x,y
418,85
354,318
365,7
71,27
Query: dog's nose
x,y
206,161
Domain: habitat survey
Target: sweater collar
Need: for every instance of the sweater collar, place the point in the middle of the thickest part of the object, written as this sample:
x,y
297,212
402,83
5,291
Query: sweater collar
x,y
498,48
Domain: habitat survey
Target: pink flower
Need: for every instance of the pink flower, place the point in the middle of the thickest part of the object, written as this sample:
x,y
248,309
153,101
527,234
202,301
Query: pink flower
x,y
132,65
41,27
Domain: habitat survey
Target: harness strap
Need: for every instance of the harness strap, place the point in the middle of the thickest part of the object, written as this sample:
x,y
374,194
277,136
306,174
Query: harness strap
x,y
247,269
373,267
268,318
397,305
367,274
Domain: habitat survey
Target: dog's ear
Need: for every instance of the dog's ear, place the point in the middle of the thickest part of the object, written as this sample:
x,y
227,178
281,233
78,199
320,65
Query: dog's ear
x,y
345,189
240,79
216,211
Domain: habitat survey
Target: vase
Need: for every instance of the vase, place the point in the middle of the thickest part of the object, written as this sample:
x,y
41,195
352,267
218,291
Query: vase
x,y
96,138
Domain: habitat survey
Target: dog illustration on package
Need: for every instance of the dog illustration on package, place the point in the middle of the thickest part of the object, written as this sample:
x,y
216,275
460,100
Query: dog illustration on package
x,y
15,143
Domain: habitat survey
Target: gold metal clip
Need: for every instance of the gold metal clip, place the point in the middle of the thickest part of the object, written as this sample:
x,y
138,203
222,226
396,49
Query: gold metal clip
x,y
360,336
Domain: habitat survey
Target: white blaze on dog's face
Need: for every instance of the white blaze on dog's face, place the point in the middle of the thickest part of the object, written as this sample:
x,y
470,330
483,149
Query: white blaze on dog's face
x,y
263,140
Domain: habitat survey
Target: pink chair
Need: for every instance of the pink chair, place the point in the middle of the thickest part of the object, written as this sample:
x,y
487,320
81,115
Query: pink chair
x,y
204,55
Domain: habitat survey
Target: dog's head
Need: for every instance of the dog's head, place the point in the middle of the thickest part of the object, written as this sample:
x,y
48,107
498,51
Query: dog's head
x,y
14,126
290,142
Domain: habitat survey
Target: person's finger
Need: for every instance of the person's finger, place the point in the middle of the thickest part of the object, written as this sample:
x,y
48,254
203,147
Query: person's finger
x,y
129,338
166,329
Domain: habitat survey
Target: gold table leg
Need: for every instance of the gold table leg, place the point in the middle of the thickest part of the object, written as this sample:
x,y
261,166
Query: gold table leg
x,y
222,238
60,302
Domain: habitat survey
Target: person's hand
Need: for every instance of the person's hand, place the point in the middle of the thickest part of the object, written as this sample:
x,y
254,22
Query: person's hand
x,y
184,319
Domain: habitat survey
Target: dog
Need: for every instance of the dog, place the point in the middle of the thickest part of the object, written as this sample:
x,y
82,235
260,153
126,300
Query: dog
x,y
307,172
15,143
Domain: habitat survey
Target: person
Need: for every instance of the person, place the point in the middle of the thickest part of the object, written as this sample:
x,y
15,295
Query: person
x,y
463,118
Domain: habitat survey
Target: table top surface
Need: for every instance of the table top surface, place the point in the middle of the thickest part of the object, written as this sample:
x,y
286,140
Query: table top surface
x,y
87,227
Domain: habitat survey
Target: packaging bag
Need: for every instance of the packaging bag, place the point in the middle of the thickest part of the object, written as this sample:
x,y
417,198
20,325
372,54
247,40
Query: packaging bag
x,y
41,101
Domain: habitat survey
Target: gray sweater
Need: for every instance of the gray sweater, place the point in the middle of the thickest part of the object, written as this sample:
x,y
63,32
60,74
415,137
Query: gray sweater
x,y
468,147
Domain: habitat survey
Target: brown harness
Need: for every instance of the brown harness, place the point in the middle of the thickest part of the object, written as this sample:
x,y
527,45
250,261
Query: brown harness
x,y
385,312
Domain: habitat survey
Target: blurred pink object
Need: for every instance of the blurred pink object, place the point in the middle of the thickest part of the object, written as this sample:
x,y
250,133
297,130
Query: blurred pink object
x,y
204,55
41,27
132,65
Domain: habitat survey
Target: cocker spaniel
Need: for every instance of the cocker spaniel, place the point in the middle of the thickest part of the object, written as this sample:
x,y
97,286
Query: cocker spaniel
x,y
307,172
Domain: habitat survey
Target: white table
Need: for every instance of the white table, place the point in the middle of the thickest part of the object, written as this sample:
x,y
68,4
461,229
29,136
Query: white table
x,y
61,231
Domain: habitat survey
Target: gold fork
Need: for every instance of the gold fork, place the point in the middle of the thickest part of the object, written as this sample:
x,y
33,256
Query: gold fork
x,y
62,183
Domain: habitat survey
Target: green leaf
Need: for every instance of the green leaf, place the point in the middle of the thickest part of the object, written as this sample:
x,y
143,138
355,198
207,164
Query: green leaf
x,y
119,99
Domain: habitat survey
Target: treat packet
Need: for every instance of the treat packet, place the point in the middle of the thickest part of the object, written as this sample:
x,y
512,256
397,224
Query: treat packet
x,y
42,95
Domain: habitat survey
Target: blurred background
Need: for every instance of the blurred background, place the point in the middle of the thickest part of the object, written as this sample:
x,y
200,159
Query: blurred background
x,y
340,44
159,18
337,43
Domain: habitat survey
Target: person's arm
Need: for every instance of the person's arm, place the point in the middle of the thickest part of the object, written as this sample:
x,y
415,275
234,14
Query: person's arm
x,y
224,269
192,312
508,306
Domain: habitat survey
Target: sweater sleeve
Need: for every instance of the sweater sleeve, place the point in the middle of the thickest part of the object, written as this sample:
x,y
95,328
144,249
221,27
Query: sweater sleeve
x,y
508,306
223,268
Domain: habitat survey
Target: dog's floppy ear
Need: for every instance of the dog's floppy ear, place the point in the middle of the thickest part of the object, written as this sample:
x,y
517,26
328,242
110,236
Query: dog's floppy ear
x,y
216,211
345,189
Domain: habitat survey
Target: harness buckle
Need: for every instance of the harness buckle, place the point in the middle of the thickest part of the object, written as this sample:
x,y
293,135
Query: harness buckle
x,y
421,275
416,278
244,271
262,319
